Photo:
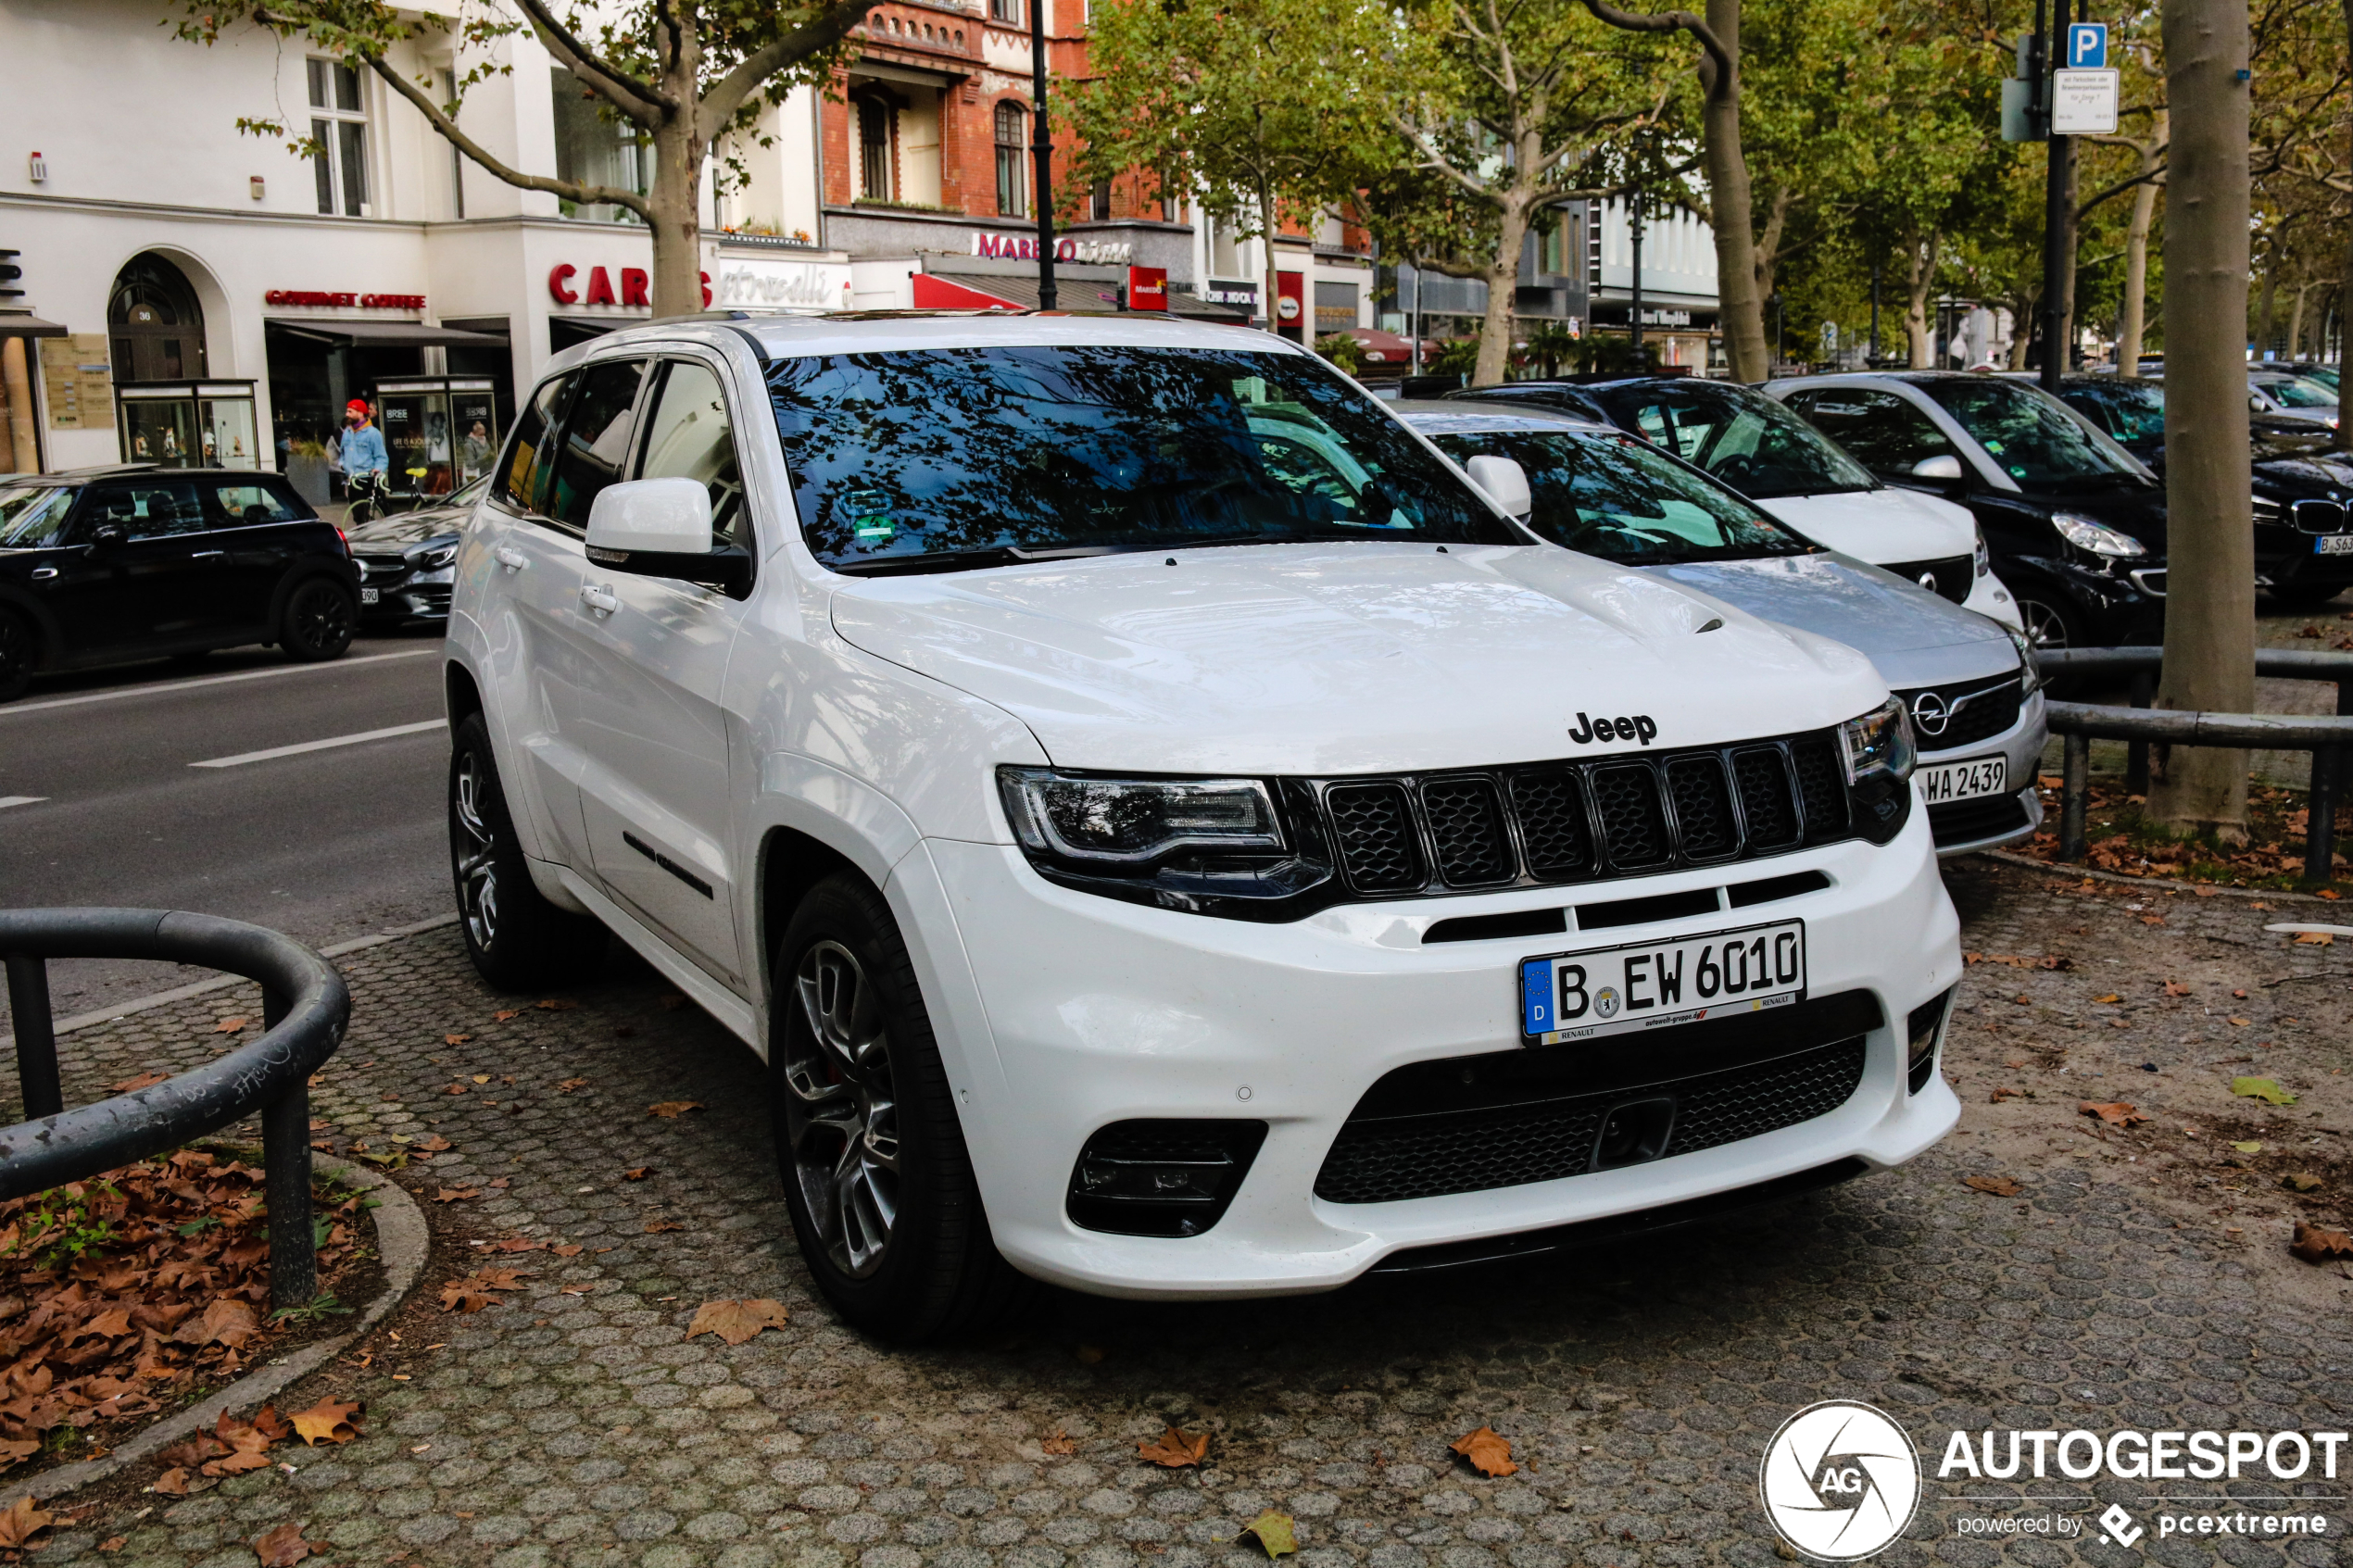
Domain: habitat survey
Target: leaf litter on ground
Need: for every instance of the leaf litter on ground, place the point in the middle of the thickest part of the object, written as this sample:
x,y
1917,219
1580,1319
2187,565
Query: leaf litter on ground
x,y
2116,1113
2000,1186
1489,1452
1274,1532
2265,1089
1174,1450
736,1321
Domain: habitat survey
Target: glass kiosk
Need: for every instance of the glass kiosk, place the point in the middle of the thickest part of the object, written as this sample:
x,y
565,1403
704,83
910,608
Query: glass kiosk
x,y
445,426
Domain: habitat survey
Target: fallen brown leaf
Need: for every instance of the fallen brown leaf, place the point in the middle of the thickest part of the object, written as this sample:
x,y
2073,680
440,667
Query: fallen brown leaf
x,y
1999,1095
455,1195
173,1482
2175,989
482,1077
2316,939
670,1109
2000,1186
570,1084
655,1227
455,1039
114,1543
1175,1450
1274,1532
2301,1181
505,1013
2116,1113
637,1174
2104,1001
283,1547
572,1251
736,1321
2316,1244
557,1004
22,1520
1061,1442
1489,1452
143,1081
329,1421
229,1025
433,1143
13,1453
453,1088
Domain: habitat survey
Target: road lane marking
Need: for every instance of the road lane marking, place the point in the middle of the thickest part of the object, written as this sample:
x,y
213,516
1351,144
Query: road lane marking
x,y
9,800
15,707
242,757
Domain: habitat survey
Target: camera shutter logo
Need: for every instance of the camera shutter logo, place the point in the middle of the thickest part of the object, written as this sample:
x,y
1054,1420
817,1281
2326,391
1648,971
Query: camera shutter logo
x,y
1840,1481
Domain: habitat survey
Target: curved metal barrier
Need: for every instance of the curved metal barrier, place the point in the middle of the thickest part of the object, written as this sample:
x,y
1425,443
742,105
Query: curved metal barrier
x,y
305,1008
2082,723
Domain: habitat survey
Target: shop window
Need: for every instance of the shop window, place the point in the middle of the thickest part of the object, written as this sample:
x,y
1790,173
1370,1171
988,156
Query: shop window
x,y
339,125
874,150
688,437
594,148
1013,197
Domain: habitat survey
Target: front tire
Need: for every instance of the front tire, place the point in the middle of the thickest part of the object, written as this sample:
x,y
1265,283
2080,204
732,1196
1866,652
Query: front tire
x,y
876,1173
318,622
518,940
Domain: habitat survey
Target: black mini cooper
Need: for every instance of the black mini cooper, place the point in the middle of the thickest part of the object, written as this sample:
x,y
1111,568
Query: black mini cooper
x,y
100,566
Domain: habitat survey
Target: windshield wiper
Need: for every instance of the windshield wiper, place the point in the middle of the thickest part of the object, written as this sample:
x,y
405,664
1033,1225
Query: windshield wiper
x,y
919,561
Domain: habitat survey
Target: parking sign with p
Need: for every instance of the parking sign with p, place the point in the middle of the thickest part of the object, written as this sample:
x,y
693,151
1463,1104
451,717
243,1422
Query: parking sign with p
x,y
2086,46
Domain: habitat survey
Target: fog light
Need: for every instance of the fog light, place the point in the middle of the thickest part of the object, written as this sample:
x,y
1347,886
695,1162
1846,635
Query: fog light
x,y
1161,1178
1925,1026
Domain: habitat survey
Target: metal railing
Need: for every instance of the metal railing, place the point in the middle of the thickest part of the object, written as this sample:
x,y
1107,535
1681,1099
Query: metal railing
x,y
2080,723
305,1008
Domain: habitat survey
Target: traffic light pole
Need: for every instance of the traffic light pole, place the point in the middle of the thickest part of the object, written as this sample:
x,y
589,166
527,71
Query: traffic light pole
x,y
2057,232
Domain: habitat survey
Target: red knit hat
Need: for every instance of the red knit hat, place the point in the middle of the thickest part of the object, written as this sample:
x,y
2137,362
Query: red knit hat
x,y
357,405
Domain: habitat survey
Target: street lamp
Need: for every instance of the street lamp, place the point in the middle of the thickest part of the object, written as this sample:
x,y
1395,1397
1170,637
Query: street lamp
x,y
1041,143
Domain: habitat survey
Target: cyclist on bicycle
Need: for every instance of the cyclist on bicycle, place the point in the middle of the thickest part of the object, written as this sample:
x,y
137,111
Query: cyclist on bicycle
x,y
365,461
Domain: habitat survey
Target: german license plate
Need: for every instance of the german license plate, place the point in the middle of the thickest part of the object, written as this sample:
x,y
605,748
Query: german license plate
x,y
1962,780
2333,545
368,595
1650,985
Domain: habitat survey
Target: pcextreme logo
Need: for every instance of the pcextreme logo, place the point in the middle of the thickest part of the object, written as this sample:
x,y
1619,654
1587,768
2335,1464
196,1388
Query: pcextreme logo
x,y
1840,1481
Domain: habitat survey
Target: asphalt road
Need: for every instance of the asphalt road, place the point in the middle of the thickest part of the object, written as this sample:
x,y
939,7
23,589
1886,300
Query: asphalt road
x,y
325,845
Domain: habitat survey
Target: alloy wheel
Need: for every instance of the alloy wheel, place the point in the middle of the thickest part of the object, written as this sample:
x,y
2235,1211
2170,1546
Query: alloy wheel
x,y
477,855
2046,627
841,1109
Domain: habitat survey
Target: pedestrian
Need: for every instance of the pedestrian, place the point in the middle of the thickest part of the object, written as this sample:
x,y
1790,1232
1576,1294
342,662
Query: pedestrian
x,y
361,446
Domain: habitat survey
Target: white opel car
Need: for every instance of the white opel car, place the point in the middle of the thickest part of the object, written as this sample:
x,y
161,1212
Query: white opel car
x,y
1167,833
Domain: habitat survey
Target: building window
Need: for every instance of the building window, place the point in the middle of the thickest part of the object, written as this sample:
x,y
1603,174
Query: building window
x,y
339,125
594,150
1013,199
1006,11
873,149
1099,202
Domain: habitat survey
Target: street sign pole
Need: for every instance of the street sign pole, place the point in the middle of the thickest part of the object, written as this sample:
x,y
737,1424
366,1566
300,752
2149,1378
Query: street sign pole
x,y
2056,229
1041,141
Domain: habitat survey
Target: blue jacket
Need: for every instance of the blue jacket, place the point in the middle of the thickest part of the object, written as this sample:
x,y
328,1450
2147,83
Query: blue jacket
x,y
363,451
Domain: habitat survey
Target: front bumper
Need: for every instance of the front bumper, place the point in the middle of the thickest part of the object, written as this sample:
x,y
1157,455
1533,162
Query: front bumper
x,y
403,595
1964,827
1087,1010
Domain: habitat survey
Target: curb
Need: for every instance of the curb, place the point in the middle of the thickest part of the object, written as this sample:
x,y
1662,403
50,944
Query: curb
x,y
2205,889
402,1241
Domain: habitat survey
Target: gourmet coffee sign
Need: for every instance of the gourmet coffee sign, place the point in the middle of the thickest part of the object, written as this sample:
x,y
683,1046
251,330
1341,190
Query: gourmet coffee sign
x,y
325,299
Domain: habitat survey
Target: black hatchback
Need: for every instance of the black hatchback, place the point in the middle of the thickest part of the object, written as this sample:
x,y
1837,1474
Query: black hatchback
x,y
102,566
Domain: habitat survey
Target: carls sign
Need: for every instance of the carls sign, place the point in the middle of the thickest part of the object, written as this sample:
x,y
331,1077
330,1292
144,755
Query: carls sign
x,y
1148,288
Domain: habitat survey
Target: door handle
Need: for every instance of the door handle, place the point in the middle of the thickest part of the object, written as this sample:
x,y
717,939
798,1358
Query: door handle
x,y
599,597
209,554
509,557
43,573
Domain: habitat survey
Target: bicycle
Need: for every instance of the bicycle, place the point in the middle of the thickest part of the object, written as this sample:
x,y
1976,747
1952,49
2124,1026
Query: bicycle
x,y
373,496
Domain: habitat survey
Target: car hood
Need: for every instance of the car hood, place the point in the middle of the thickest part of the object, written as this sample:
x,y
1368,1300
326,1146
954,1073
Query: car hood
x,y
406,528
1879,526
1913,637
1356,658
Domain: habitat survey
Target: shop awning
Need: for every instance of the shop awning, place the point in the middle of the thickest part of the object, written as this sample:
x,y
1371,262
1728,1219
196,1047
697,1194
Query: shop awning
x,y
24,323
384,334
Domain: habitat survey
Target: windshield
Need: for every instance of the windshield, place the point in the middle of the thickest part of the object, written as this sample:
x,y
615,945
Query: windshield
x,y
32,516
952,459
2299,393
2134,410
2032,435
1748,441
1618,499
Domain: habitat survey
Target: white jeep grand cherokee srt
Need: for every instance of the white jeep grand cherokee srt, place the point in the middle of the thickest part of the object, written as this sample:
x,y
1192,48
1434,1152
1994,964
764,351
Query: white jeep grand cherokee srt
x,y
1167,833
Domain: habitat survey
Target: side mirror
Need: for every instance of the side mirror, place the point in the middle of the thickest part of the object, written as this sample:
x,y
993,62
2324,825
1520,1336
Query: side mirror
x,y
1504,482
1943,468
662,528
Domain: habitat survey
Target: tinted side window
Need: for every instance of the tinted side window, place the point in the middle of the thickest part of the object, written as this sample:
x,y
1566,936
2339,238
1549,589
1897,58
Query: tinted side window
x,y
145,509
594,451
525,479
1882,432
688,436
248,505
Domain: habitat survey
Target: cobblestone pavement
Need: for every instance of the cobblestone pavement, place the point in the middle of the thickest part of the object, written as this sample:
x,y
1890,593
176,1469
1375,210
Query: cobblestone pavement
x,y
578,1425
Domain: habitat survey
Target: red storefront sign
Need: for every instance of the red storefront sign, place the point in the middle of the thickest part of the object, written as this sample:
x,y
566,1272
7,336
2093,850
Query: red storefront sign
x,y
636,283
1290,294
1148,288
330,300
